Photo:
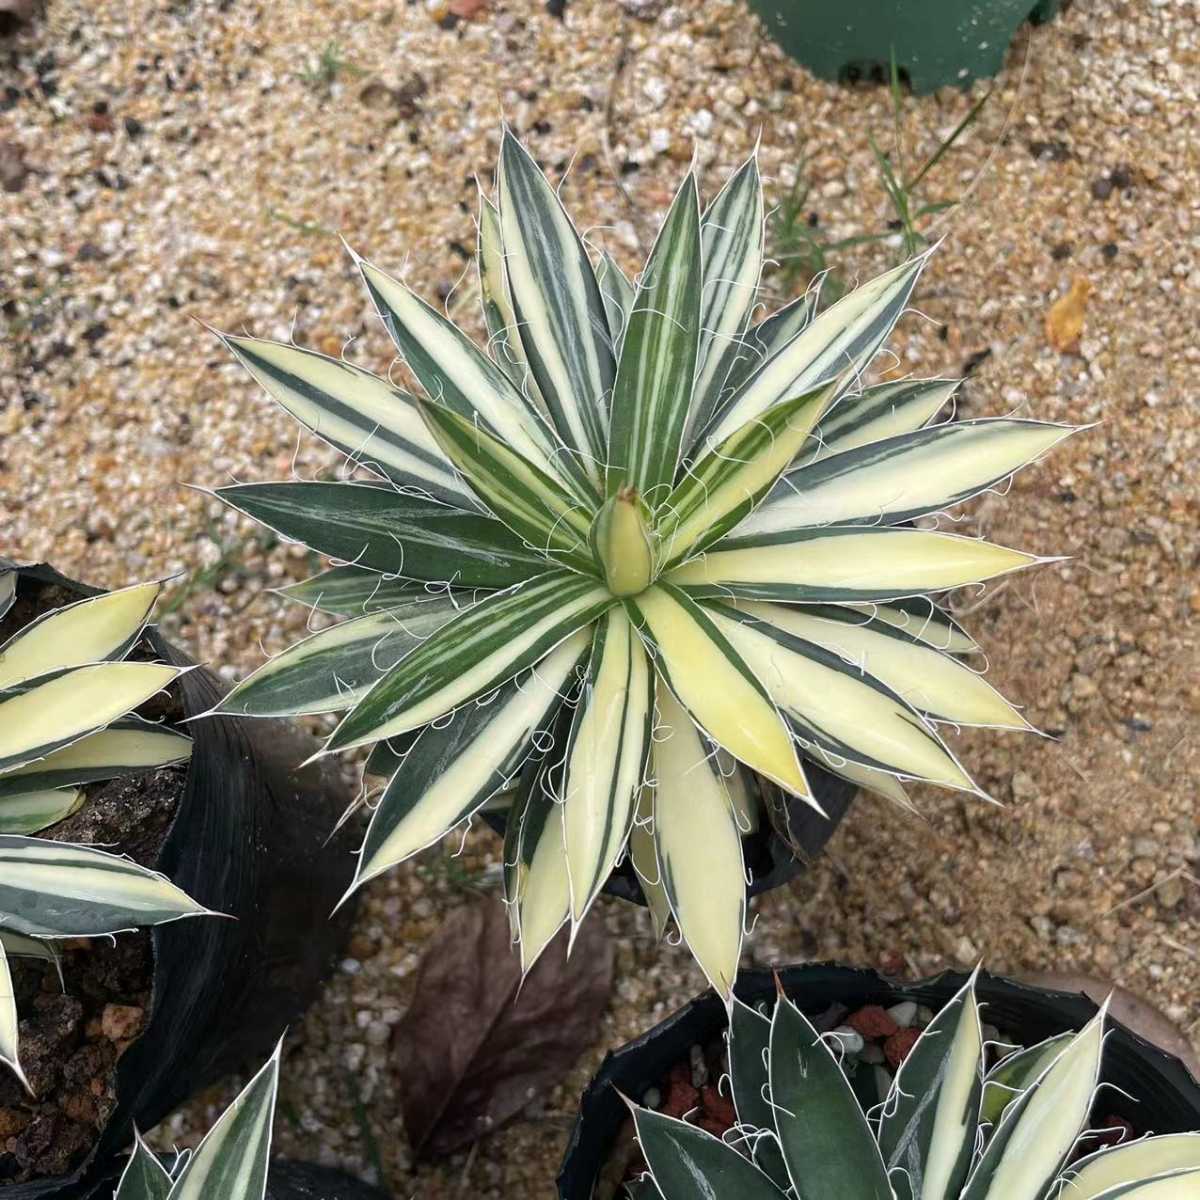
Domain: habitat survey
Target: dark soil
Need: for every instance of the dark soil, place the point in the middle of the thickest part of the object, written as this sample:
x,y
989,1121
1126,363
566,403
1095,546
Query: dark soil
x,y
74,1031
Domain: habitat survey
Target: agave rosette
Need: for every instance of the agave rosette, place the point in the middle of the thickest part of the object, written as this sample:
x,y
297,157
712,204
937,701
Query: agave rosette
x,y
67,701
622,574
951,1127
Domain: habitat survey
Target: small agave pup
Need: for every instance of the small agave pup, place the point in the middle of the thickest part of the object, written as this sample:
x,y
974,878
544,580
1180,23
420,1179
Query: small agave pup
x,y
229,1164
635,563
66,705
949,1129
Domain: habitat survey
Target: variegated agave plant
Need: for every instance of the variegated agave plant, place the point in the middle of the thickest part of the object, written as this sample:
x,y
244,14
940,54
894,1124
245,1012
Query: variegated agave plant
x,y
949,1129
229,1164
643,529
66,719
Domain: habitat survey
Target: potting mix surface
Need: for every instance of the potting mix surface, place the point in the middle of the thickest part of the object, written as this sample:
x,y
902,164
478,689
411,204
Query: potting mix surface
x,y
199,159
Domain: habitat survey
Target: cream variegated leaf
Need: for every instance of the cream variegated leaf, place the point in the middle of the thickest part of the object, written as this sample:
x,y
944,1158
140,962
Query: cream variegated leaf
x,y
921,619
26,812
617,293
9,1050
698,844
1122,1166
354,591
882,411
644,857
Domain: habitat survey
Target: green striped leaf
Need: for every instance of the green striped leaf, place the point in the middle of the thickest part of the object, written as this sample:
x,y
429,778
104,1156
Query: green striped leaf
x,y
689,1164
644,856
558,307
231,1161
930,681
883,411
8,589
901,478
380,529
731,232
698,845
18,946
90,631
352,591
1117,1166
1178,1185
749,1040
617,294
9,1055
838,711
504,342
653,389
715,685
827,1144
476,652
358,413
928,1126
919,618
1040,1127
1013,1075
126,745
66,707
453,770
52,889
144,1177
858,563
726,483
878,782
605,757
26,812
537,509
454,372
334,669
841,341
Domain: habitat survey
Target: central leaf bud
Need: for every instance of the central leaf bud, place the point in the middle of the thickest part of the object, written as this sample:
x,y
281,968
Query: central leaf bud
x,y
623,544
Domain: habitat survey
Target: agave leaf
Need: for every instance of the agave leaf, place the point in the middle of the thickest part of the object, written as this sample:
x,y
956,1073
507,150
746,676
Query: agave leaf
x,y
925,678
382,530
559,310
1014,1074
728,482
504,341
883,411
454,372
1179,1185
749,1043
716,685
231,1161
536,886
144,1177
1040,1127
841,341
617,293
698,845
89,631
8,589
9,1056
476,652
51,714
535,507
32,811
19,946
928,1128
836,708
1120,1166
452,770
644,856
688,1163
653,389
852,564
126,745
904,477
827,1144
352,591
333,670
919,618
870,780
358,413
732,242
52,889
605,757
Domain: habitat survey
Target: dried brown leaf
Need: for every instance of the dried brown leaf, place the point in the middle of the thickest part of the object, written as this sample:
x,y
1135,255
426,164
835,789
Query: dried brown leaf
x,y
476,1046
1064,320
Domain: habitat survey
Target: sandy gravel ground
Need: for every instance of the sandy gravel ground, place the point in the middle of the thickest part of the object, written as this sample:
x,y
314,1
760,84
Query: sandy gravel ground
x,y
168,160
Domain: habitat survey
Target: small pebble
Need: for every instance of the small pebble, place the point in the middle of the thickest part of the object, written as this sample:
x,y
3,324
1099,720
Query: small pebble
x,y
904,1013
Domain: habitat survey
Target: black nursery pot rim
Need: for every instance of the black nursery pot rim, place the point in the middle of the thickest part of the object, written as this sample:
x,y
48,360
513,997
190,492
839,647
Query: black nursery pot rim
x,y
1156,1092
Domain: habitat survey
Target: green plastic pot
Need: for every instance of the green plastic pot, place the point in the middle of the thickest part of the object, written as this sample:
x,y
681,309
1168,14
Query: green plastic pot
x,y
935,42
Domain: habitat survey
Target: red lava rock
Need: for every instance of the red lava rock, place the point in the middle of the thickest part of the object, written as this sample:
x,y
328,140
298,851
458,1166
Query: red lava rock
x,y
719,1114
681,1095
897,1047
873,1022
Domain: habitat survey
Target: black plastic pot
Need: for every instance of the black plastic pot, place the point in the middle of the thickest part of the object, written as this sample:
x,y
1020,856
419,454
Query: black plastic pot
x,y
248,839
303,1181
1153,1089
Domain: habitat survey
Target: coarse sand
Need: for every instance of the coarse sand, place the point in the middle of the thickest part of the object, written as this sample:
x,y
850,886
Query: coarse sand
x,y
162,161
